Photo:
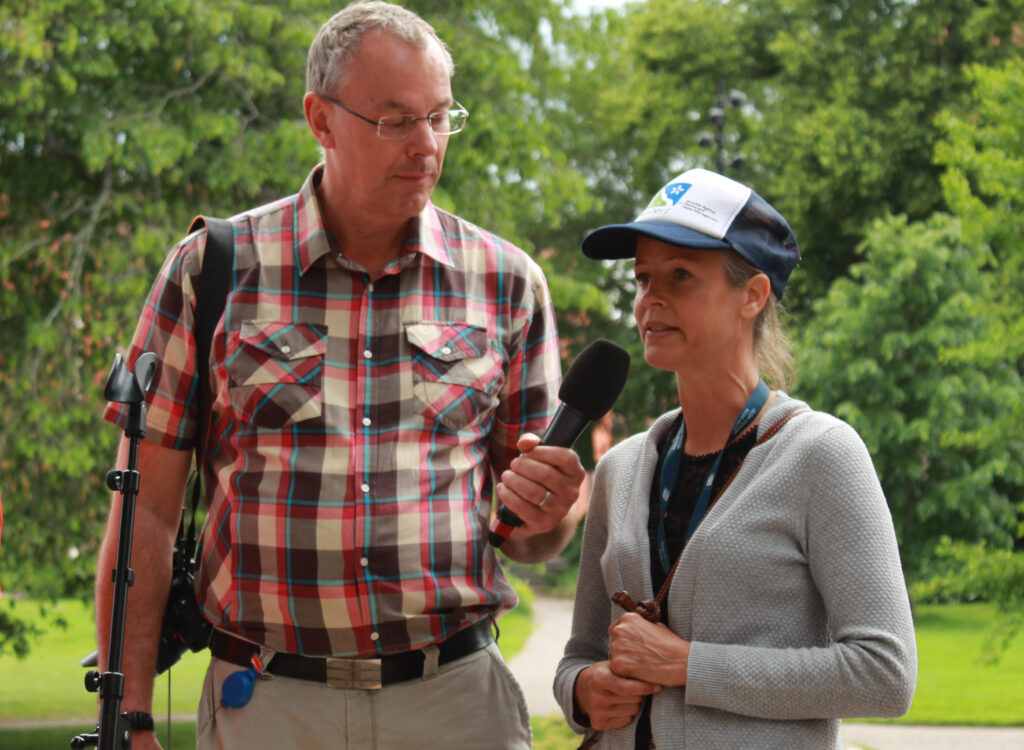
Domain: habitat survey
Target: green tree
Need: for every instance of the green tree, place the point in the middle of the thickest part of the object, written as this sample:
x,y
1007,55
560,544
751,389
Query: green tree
x,y
879,353
984,159
842,96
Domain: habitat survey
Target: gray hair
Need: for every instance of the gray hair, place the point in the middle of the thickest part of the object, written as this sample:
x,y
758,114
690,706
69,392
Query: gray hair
x,y
337,40
771,345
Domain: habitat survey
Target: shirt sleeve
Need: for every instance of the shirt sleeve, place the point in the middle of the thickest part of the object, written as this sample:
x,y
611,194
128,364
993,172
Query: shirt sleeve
x,y
165,329
529,396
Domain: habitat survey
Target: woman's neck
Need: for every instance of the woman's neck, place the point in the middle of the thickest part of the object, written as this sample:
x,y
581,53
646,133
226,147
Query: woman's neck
x,y
711,406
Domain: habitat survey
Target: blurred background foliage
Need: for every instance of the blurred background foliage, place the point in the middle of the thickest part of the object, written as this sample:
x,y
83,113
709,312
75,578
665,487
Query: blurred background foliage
x,y
888,133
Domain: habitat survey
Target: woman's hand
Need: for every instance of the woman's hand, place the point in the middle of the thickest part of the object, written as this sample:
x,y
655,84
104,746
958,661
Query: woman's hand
x,y
644,650
609,700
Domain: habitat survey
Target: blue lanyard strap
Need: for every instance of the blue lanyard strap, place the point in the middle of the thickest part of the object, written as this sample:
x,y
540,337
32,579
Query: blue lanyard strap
x,y
673,459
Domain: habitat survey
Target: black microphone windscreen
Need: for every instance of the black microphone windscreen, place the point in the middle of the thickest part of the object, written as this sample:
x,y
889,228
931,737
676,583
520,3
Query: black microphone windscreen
x,y
596,378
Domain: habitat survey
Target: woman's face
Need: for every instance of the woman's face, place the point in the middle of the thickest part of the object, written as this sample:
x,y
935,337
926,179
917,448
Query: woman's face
x,y
689,315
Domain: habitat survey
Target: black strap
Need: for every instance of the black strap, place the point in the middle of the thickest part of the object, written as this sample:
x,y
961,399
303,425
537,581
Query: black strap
x,y
214,285
139,721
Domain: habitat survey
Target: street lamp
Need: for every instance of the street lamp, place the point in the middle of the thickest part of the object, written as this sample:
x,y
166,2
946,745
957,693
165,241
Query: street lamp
x,y
734,99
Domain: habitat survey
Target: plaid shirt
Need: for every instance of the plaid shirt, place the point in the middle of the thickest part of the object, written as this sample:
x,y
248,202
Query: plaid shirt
x,y
355,425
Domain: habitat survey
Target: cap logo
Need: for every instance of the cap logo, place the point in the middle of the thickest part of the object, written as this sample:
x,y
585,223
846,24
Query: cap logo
x,y
676,190
711,203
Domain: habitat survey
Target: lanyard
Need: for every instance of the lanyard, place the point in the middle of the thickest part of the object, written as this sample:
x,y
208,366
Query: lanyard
x,y
670,470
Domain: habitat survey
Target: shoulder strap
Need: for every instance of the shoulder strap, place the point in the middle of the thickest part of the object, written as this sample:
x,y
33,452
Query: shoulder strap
x,y
768,434
214,285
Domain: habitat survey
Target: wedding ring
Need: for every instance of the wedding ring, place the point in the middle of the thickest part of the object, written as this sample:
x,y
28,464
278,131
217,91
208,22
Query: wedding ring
x,y
547,496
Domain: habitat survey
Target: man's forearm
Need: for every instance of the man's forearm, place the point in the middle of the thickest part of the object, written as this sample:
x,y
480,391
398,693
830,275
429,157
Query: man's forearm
x,y
537,548
151,564
157,510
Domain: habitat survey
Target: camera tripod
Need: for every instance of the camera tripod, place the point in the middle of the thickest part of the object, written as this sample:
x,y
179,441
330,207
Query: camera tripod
x,y
124,387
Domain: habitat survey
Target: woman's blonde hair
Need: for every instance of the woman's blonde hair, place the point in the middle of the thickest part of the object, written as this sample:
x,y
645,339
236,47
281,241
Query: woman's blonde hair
x,y
771,345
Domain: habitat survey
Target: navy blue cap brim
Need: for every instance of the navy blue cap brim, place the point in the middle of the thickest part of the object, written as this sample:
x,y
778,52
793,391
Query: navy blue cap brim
x,y
615,241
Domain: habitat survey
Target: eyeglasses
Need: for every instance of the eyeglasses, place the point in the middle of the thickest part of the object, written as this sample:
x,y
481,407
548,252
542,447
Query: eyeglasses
x,y
394,127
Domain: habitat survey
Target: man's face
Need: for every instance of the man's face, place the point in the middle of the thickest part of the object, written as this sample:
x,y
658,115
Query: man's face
x,y
388,181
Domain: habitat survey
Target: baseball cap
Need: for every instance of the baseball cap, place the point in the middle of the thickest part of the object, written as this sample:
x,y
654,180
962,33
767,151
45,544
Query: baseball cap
x,y
707,211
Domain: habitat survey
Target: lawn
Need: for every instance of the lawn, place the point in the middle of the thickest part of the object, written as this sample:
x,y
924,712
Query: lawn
x,y
48,683
955,684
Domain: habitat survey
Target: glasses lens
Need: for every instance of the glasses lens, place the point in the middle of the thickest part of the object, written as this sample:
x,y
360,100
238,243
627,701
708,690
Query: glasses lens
x,y
455,119
393,127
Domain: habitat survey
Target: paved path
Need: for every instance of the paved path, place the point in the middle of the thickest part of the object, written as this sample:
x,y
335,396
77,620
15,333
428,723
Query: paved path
x,y
534,667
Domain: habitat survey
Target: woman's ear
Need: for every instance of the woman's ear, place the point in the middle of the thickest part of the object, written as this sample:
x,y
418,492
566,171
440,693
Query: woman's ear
x,y
757,290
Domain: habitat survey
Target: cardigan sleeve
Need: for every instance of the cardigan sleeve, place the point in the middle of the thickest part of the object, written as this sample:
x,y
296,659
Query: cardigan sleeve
x,y
868,665
588,641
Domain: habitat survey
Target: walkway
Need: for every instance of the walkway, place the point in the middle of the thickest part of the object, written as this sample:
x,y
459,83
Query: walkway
x,y
534,667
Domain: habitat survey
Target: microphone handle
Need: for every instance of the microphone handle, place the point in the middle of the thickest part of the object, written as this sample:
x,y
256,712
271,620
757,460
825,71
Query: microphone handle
x,y
568,424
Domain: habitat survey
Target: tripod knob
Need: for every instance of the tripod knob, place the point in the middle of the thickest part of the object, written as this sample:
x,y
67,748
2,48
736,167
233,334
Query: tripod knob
x,y
92,680
82,741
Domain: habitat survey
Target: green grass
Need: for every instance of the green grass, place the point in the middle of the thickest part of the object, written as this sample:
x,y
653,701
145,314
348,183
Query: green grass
x,y
548,734
48,683
955,684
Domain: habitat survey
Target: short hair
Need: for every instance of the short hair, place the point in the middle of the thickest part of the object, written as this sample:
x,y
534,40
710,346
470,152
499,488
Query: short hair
x,y
337,40
771,345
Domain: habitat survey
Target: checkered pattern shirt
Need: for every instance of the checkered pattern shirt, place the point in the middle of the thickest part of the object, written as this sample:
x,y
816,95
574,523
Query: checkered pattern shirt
x,y
356,424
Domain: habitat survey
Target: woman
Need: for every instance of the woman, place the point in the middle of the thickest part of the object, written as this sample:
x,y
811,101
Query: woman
x,y
783,606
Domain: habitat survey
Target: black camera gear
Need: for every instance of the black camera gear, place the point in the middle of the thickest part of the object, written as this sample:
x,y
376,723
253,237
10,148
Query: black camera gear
x,y
184,626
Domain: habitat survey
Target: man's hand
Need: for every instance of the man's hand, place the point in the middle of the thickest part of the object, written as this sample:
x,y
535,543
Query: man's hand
x,y
610,701
542,487
643,649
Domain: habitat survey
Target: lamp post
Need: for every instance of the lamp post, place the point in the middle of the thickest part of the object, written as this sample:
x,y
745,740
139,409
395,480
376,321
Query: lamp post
x,y
734,99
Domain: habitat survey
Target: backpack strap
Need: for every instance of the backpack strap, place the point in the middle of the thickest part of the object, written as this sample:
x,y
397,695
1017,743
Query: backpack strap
x,y
214,285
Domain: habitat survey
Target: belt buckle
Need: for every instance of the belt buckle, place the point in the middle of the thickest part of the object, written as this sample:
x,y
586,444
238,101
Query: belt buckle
x,y
354,674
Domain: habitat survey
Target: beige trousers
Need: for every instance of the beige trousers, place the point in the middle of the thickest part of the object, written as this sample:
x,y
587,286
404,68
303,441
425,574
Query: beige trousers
x,y
473,703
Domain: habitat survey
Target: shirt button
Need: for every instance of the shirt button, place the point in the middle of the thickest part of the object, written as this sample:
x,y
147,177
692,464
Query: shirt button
x,y
364,487
374,636
446,350
369,287
286,349
367,421
367,354
364,561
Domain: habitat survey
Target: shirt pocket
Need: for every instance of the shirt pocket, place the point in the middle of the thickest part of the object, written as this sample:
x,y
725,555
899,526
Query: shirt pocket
x,y
456,372
275,372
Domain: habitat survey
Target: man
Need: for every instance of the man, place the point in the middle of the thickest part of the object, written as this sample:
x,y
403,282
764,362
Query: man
x,y
378,362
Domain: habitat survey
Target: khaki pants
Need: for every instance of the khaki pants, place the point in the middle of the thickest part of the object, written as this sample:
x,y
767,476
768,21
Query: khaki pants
x,y
472,703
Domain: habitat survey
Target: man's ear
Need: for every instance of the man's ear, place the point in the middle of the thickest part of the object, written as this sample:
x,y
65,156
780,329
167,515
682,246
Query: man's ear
x,y
758,288
316,109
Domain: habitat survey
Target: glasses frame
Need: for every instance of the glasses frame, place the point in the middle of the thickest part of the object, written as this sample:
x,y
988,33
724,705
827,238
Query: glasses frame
x,y
407,121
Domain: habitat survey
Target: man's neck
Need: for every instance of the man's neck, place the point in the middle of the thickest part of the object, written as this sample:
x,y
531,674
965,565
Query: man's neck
x,y
372,245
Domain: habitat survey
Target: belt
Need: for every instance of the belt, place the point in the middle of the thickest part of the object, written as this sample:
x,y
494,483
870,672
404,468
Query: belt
x,y
353,674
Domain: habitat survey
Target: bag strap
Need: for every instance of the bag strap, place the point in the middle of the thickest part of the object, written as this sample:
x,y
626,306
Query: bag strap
x,y
214,285
650,609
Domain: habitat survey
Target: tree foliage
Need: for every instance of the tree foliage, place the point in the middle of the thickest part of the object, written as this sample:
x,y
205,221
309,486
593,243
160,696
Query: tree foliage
x,y
839,125
877,352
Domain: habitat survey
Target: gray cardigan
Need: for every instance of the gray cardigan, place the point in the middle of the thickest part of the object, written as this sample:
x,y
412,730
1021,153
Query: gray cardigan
x,y
791,592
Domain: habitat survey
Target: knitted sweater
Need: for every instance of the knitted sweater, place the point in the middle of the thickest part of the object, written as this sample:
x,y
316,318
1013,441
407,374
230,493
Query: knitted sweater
x,y
790,591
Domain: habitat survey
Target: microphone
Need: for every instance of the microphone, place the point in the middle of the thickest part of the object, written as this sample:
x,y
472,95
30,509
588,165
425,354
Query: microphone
x,y
588,391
